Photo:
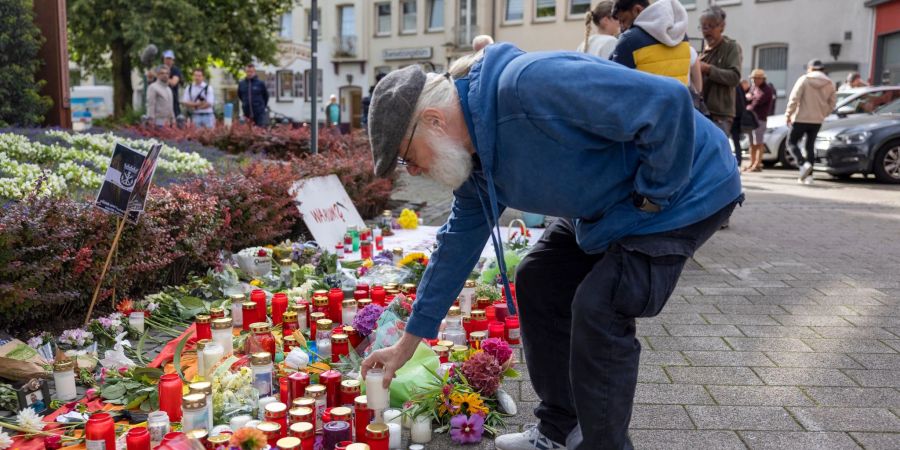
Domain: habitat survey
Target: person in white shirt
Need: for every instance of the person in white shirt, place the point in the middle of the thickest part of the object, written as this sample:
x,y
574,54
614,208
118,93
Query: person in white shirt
x,y
199,100
603,43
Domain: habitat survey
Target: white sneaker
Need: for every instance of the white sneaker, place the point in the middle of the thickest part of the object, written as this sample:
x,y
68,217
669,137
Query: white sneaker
x,y
808,180
805,170
530,439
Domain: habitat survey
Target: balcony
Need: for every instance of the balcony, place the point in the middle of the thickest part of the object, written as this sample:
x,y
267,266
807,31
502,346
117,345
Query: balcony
x,y
345,47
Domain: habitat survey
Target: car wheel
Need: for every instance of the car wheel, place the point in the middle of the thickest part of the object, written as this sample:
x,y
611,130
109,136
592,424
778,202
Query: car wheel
x,y
786,158
887,163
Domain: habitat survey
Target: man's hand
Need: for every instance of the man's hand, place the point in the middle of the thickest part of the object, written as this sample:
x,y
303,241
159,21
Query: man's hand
x,y
392,358
173,81
788,122
704,68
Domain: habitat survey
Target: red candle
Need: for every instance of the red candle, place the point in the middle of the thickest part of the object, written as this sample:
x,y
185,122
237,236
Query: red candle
x,y
170,393
335,298
138,439
272,430
279,306
297,383
349,391
497,330
277,412
203,329
262,332
377,436
379,243
258,296
479,320
340,346
512,329
362,416
360,294
378,295
490,313
284,390
248,309
100,428
363,287
354,336
306,432
467,325
501,311
332,381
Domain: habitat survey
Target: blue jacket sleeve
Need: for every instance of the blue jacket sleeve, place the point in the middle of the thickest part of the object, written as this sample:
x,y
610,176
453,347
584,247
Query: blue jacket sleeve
x,y
618,104
460,242
624,51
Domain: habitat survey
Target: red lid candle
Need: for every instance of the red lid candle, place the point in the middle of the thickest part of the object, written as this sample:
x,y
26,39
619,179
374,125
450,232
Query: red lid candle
x,y
262,332
248,311
408,289
279,306
482,303
277,412
467,325
301,414
297,383
138,438
272,431
306,402
377,436
366,249
332,381
100,430
476,338
352,334
314,318
335,298
378,295
512,329
363,287
362,417
501,311
284,390
497,330
360,294
290,322
349,391
479,320
442,352
491,313
202,324
288,443
306,432
340,346
170,393
258,296
320,305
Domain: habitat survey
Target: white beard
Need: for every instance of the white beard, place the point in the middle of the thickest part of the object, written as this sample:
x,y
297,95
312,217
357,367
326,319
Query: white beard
x,y
451,164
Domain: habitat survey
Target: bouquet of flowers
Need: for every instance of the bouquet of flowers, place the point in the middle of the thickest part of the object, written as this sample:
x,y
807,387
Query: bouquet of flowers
x,y
234,395
416,263
391,323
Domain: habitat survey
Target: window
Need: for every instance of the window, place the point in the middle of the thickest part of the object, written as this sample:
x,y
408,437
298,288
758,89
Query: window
x,y
468,19
514,11
577,8
382,19
382,70
544,9
347,31
435,15
689,4
408,16
285,87
309,22
773,59
287,26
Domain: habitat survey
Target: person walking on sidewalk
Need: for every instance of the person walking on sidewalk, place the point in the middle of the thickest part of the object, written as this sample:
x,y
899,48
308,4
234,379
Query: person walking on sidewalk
x,y
603,42
761,98
720,64
637,176
812,100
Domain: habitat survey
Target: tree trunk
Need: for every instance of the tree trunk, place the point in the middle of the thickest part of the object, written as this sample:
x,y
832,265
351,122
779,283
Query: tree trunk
x,y
121,75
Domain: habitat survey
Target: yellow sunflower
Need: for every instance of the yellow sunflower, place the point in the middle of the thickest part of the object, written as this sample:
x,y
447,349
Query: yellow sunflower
x,y
415,256
472,401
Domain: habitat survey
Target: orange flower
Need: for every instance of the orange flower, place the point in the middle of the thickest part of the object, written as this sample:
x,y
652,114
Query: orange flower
x,y
248,439
126,306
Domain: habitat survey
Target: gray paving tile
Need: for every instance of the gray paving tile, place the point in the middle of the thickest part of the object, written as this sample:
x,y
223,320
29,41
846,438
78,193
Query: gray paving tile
x,y
651,329
729,291
878,361
759,395
741,418
788,292
776,331
846,419
690,308
703,330
716,300
875,378
878,441
847,301
855,396
751,309
731,376
848,345
672,394
773,300
717,358
853,333
740,319
768,344
819,310
687,343
876,310
686,440
528,393
652,374
803,377
663,358
797,440
814,321
849,291
820,360
677,319
661,417
874,321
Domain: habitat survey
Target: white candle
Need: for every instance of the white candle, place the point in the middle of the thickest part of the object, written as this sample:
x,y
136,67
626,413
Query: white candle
x,y
421,430
64,379
237,314
136,320
262,406
392,416
394,441
375,392
212,354
239,422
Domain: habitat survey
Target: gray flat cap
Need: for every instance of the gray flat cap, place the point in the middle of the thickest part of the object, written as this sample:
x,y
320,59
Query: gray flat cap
x,y
393,103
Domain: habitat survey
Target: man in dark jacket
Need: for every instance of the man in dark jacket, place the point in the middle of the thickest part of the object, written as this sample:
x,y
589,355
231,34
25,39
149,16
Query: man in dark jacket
x,y
254,97
720,64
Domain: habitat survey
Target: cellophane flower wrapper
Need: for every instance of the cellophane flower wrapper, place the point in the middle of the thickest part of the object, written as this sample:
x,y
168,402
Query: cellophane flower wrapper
x,y
415,375
385,274
390,329
234,395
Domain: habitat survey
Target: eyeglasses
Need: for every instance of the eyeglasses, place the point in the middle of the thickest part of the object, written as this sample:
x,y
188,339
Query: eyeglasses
x,y
402,160
707,26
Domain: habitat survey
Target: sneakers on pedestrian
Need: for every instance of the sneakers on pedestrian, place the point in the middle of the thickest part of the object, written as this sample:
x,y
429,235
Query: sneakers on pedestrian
x,y
530,439
808,180
805,170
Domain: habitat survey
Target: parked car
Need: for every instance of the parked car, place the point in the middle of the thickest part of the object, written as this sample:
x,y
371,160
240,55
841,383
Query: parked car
x,y
851,102
868,143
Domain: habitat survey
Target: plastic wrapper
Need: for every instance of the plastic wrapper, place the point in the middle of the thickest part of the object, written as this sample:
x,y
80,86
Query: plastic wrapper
x,y
390,329
414,375
234,394
490,273
385,274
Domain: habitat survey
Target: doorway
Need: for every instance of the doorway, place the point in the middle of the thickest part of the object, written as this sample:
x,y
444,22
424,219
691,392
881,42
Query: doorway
x,y
351,105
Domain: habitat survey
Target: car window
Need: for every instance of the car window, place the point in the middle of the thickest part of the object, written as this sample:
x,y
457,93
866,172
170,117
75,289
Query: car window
x,y
891,108
870,101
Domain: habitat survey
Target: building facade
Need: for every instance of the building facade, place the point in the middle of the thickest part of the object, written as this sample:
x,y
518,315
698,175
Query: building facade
x,y
886,51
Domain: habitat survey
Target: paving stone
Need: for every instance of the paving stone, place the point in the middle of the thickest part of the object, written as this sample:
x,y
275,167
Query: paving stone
x,y
687,343
741,418
776,331
819,310
751,309
665,417
759,395
763,300
796,440
848,345
528,393
875,378
874,321
846,419
892,343
688,308
768,344
716,300
740,319
704,358
685,440
663,358
847,301
652,374
703,330
672,394
803,377
849,291
758,283
853,333
878,361
651,329
878,441
854,396
815,321
732,376
819,360
677,319
876,310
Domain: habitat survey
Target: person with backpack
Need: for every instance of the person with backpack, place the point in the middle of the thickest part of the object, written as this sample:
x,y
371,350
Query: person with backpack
x,y
198,100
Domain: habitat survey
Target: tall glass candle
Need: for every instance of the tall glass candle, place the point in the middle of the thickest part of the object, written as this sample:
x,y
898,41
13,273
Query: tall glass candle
x,y
348,311
212,354
272,431
497,330
376,394
138,438
395,434
224,335
100,432
170,391
262,332
64,379
158,425
302,308
420,430
332,381
279,306
237,313
314,319
261,366
317,392
195,414
136,320
306,432
202,324
512,329
340,346
301,414
297,383
353,335
378,295
362,417
350,389
205,388
277,412
377,436
307,402
248,311
258,296
335,297
467,297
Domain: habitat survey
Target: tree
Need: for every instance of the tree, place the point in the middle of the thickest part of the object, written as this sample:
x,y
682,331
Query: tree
x,y
20,40
106,33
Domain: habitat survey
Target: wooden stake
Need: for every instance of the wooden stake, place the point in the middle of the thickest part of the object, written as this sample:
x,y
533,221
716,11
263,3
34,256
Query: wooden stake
x,y
112,251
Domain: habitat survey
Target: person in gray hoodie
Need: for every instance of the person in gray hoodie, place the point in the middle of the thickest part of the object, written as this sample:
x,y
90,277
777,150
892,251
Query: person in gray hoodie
x,y
812,99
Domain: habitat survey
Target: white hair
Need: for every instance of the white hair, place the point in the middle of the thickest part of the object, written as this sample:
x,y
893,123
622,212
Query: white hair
x,y
439,91
481,41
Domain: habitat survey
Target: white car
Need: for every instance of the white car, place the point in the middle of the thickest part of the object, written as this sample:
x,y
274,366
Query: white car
x,y
849,102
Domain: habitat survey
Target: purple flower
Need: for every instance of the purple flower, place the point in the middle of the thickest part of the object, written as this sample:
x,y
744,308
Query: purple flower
x,y
466,430
497,348
383,258
367,319
35,342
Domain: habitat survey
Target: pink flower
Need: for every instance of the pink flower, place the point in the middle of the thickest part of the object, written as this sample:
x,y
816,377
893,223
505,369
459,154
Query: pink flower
x,y
466,430
483,373
497,348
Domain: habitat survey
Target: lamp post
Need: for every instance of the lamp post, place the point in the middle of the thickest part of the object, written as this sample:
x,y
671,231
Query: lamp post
x,y
313,76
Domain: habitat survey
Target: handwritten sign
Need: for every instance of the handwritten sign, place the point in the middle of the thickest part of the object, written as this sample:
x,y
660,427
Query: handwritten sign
x,y
326,209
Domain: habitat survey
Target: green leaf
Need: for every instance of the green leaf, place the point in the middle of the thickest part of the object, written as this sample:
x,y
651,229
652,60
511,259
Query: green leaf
x,y
150,373
136,402
113,391
511,373
176,361
139,350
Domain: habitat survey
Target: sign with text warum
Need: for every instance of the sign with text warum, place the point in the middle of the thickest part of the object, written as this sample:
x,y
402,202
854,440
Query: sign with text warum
x,y
326,209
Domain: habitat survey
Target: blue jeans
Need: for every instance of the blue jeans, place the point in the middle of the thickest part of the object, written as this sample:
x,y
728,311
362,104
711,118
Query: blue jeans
x,y
577,313
204,120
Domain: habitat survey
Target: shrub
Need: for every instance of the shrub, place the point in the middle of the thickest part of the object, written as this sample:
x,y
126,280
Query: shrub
x,y
20,40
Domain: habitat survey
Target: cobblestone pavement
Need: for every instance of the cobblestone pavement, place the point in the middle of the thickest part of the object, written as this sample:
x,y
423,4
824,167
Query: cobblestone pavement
x,y
784,331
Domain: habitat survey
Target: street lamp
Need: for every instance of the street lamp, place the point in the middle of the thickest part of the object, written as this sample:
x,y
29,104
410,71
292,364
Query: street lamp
x,y
835,49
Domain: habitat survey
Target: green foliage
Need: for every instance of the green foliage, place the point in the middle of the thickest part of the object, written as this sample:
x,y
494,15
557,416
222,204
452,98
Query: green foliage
x,y
20,40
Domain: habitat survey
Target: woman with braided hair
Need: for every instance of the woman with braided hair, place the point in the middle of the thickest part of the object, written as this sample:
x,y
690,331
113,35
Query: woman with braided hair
x,y
603,43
